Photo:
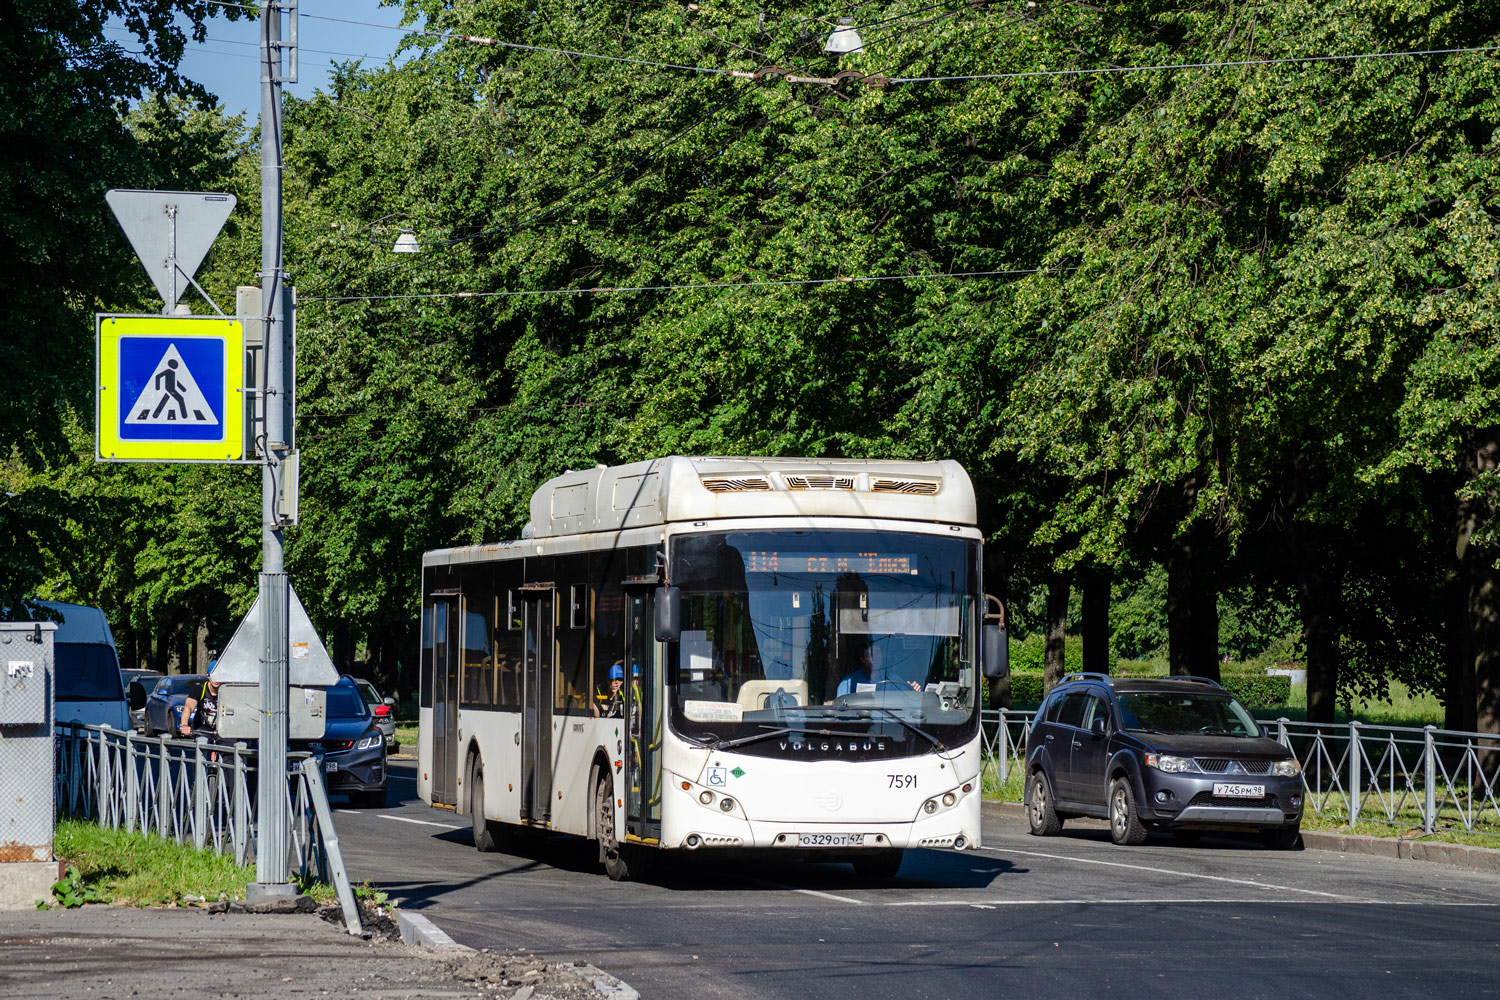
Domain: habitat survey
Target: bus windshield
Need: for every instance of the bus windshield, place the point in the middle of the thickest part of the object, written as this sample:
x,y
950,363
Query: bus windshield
x,y
792,630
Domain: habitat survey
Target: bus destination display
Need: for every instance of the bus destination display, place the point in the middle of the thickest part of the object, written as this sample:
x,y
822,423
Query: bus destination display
x,y
863,563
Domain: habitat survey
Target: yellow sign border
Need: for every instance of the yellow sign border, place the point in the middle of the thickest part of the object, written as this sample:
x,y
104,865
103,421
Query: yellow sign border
x,y
109,446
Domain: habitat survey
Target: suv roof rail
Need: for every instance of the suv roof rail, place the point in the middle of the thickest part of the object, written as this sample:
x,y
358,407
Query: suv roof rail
x,y
1085,677
1194,677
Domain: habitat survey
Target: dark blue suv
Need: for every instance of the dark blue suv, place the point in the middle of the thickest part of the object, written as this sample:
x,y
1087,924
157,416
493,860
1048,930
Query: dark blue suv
x,y
1176,753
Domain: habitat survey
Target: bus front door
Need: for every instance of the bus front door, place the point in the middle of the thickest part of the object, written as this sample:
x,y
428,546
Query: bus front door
x,y
536,715
444,698
643,710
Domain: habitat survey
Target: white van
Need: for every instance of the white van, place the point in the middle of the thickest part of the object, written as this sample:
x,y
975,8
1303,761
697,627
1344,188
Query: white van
x,y
86,666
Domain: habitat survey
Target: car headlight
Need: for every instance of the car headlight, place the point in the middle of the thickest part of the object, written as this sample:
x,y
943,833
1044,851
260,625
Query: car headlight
x,y
369,742
1287,768
1168,763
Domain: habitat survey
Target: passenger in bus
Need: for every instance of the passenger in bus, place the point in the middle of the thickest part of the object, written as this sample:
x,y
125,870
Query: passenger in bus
x,y
871,670
611,704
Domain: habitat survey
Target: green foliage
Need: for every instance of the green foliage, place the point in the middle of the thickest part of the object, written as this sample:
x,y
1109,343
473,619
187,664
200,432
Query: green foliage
x,y
1258,690
1265,311
72,891
1026,688
141,869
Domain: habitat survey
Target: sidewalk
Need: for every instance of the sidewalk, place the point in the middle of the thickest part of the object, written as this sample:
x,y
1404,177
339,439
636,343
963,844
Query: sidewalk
x,y
104,952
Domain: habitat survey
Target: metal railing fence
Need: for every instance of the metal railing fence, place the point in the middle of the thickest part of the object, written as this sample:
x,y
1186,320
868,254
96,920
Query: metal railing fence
x,y
1435,780
199,792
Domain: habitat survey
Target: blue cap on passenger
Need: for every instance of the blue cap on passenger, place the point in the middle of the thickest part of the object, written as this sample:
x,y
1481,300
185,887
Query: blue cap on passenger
x,y
617,673
635,670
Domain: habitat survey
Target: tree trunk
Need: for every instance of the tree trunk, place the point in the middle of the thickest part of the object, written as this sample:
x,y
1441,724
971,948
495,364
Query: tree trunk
x,y
1317,588
1483,597
1180,606
1458,657
1096,593
1053,664
343,648
1205,624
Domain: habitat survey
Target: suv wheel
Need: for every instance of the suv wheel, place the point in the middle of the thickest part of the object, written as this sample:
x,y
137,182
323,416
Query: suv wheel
x,y
1040,812
1282,838
1125,826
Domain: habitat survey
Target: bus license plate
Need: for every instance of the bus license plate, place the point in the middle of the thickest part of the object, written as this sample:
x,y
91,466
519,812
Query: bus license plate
x,y
1225,790
830,840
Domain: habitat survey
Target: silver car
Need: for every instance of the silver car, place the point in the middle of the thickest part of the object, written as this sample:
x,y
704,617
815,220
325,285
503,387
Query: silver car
x,y
382,709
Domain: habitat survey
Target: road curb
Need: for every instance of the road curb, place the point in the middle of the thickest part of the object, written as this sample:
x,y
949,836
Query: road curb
x,y
1485,859
418,930
611,987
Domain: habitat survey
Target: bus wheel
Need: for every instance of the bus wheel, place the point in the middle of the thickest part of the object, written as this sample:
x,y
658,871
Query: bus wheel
x,y
488,836
615,865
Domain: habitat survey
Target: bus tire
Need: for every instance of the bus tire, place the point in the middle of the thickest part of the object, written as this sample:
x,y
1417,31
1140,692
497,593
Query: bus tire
x,y
615,864
488,836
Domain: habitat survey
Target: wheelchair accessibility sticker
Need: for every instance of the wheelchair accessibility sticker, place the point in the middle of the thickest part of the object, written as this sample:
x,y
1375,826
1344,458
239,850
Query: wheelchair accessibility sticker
x,y
718,777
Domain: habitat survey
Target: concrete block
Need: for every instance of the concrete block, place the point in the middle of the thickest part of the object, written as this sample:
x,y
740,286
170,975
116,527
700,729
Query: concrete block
x,y
22,883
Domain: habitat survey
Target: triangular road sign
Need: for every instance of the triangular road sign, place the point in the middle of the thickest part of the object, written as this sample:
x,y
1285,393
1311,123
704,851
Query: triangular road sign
x,y
172,396
171,231
308,662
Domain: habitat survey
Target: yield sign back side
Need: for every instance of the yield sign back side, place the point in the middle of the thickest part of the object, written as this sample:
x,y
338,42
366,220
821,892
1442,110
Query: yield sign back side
x,y
170,232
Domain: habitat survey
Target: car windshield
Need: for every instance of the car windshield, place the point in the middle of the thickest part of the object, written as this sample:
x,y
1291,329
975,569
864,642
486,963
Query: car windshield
x,y
344,702
86,671
796,628
1181,712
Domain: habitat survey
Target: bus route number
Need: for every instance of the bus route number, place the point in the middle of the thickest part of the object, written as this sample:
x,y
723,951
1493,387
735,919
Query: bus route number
x,y
902,780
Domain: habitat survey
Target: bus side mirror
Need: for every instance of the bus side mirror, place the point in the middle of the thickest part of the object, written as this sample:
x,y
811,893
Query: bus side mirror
x,y
668,614
137,696
996,653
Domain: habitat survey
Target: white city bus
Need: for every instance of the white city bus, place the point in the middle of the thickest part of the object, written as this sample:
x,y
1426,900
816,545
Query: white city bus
x,y
800,647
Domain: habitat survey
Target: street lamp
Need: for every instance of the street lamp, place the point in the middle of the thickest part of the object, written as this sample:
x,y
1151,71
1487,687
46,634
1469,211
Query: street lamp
x,y
844,39
406,242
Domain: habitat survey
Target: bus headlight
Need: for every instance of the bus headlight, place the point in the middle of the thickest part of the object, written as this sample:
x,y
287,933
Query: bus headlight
x,y
726,804
949,798
706,797
930,806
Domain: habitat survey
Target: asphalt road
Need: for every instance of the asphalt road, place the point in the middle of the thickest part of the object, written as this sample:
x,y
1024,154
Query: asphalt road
x,y
1064,917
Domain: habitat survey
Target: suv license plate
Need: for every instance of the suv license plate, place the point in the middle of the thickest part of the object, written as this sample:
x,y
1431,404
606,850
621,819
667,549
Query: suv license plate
x,y
830,840
1228,791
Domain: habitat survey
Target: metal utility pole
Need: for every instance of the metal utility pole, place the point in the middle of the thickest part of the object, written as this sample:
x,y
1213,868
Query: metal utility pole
x,y
271,842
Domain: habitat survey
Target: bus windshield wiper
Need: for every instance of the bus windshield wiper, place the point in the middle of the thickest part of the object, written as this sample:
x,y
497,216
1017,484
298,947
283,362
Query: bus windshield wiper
x,y
914,728
774,731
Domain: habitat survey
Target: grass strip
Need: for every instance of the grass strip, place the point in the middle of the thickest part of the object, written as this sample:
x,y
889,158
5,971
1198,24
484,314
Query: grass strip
x,y
143,869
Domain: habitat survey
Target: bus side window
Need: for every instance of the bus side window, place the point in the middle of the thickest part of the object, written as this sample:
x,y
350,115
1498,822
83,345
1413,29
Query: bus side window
x,y
571,692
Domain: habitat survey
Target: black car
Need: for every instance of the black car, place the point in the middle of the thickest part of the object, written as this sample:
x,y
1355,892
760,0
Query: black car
x,y
351,749
1174,753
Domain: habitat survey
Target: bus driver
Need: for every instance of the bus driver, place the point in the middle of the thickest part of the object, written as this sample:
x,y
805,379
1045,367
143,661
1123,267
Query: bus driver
x,y
871,670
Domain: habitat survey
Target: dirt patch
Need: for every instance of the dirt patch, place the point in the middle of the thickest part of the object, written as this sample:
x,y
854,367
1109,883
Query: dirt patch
x,y
521,976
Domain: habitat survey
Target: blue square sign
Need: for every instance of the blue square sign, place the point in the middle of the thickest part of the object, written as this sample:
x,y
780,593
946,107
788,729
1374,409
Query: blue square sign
x,y
171,388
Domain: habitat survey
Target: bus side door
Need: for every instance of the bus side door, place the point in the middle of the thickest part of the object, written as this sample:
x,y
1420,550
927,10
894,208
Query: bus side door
x,y
536,703
643,712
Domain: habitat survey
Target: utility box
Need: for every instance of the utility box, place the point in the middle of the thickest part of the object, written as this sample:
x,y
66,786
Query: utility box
x,y
28,806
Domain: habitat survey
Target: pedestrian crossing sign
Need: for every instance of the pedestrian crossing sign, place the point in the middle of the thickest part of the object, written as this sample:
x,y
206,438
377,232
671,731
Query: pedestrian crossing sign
x,y
170,389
